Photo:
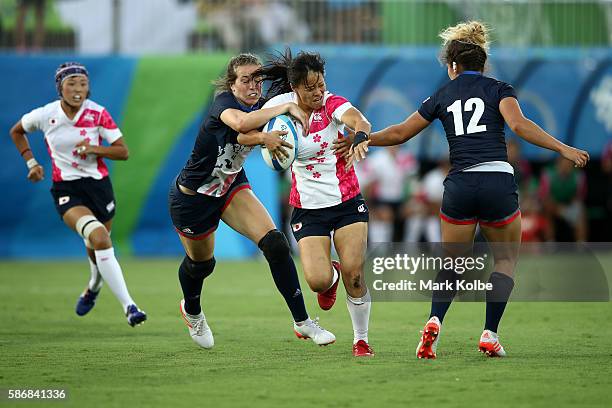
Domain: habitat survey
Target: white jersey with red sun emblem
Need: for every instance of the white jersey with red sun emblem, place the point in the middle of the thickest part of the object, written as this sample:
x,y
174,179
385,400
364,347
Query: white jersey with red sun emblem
x,y
319,178
92,122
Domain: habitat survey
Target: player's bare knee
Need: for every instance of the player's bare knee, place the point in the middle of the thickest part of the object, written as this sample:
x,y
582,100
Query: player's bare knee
x,y
93,232
352,277
319,285
275,246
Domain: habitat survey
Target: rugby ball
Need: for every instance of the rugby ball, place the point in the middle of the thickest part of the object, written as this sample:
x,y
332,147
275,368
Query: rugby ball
x,y
285,124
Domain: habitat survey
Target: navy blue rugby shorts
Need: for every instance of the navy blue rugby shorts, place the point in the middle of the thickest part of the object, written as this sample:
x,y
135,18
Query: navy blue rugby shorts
x,y
197,216
487,198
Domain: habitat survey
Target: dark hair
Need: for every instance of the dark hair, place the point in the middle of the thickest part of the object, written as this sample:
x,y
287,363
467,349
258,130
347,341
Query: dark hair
x,y
224,83
465,44
284,70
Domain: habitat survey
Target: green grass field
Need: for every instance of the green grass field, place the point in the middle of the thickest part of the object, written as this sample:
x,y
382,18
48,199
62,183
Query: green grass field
x,y
560,354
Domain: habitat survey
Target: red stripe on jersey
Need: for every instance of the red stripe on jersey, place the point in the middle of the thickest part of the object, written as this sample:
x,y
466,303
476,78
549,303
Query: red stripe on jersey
x,y
227,183
294,196
101,165
106,121
89,118
347,179
56,173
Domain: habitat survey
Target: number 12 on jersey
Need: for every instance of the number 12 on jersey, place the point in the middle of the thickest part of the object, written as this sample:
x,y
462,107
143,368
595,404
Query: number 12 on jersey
x,y
472,104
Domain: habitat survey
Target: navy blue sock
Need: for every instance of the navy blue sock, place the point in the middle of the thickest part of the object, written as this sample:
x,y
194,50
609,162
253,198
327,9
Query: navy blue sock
x,y
286,280
442,299
497,298
276,250
191,275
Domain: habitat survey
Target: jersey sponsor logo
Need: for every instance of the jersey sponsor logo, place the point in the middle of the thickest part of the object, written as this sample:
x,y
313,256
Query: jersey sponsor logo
x,y
110,206
296,227
361,208
187,231
297,293
63,200
317,117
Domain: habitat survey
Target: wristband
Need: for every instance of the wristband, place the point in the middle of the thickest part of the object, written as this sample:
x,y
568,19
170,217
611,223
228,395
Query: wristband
x,y
24,151
32,163
360,137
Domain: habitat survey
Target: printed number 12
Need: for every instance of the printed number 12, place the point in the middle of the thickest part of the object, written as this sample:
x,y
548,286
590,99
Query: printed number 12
x,y
475,104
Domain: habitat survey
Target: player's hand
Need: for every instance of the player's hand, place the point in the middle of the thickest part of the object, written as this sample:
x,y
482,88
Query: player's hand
x,y
357,153
275,144
349,134
36,174
84,147
300,115
341,147
576,156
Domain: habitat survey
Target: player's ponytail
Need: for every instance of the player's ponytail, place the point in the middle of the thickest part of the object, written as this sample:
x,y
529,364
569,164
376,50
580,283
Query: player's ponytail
x,y
466,44
284,71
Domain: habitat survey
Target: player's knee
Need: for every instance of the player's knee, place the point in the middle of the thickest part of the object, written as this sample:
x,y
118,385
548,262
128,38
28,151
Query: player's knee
x,y
318,285
274,246
352,277
93,232
198,270
100,239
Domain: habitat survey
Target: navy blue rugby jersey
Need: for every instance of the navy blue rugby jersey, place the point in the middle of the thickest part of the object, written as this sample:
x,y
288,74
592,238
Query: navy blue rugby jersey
x,y
217,157
468,108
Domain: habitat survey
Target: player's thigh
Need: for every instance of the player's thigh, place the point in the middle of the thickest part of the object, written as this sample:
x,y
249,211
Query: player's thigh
x,y
315,254
504,242
246,215
199,250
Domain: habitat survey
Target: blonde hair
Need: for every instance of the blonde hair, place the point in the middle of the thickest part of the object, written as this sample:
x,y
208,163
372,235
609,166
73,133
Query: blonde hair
x,y
467,44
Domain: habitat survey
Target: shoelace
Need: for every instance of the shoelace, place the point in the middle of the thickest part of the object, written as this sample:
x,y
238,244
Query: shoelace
x,y
315,323
198,326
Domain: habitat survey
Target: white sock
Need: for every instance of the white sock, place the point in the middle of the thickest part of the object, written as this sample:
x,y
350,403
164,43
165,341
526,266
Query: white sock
x,y
359,309
111,272
95,280
334,278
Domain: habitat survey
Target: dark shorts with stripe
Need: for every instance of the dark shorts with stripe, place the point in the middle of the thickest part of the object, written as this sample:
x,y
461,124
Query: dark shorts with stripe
x,y
488,198
197,216
96,195
322,221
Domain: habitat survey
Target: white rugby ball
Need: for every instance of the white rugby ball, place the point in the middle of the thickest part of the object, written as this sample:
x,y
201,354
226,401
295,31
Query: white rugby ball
x,y
285,124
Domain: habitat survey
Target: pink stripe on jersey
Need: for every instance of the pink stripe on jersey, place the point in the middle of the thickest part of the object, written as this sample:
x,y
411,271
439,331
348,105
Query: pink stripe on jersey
x,y
294,195
89,118
56,173
227,183
333,102
101,165
106,121
319,122
347,180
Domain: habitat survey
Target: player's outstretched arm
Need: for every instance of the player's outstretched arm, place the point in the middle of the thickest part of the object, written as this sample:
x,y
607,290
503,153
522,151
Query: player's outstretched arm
x,y
271,140
118,150
18,135
400,133
534,134
243,122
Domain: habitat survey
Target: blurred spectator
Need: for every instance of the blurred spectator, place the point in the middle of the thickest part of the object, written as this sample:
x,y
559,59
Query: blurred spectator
x,y
534,226
39,24
354,21
253,24
385,179
425,215
562,191
606,168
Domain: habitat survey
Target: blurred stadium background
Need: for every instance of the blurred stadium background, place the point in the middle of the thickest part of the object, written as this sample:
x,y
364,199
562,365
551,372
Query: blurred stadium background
x,y
151,63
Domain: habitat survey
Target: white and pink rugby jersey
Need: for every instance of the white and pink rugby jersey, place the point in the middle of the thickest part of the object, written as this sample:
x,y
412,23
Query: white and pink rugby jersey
x,y
319,178
92,122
